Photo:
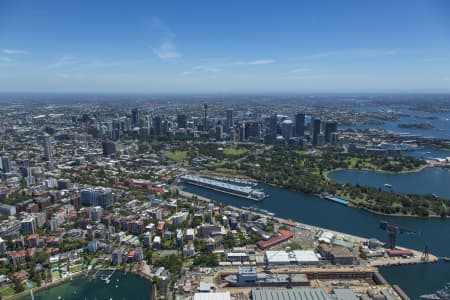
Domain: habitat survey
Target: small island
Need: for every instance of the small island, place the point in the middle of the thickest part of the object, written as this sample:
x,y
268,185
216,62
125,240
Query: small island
x,y
417,126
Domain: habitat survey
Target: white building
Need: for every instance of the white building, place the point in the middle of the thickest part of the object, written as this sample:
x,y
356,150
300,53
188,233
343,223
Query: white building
x,y
296,257
212,296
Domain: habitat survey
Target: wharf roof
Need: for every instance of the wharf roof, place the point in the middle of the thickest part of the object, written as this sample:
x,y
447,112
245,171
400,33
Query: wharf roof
x,y
292,294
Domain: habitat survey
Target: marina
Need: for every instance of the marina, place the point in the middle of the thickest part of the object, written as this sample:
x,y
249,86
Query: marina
x,y
126,286
244,191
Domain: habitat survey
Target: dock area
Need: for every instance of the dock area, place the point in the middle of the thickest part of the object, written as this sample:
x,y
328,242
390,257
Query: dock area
x,y
416,258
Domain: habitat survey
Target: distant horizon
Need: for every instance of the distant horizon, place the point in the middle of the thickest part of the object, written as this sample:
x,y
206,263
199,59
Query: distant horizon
x,y
249,93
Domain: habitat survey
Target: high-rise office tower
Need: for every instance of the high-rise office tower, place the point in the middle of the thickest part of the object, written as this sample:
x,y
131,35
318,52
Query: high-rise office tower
x,y
255,130
165,127
300,124
109,148
115,130
205,120
229,122
134,117
330,127
334,139
182,121
287,127
315,131
273,125
246,132
47,148
149,124
219,132
157,125
5,163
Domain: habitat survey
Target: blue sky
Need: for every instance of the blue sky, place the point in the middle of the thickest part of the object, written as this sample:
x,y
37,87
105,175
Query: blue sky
x,y
225,46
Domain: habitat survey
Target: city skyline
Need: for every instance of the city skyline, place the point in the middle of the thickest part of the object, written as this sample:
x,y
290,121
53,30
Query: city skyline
x,y
149,47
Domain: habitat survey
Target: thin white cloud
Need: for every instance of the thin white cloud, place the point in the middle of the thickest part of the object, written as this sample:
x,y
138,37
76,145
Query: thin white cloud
x,y
6,59
307,78
64,61
367,53
255,62
14,51
432,59
446,78
206,69
167,50
300,70
201,69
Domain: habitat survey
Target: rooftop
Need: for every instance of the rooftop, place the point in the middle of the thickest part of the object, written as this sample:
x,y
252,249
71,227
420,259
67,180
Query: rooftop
x,y
292,294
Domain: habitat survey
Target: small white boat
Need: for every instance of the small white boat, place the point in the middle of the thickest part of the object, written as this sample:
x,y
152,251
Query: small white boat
x,y
388,185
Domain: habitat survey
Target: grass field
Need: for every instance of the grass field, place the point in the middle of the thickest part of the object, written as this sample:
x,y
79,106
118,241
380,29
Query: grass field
x,y
6,291
75,268
234,151
226,171
176,155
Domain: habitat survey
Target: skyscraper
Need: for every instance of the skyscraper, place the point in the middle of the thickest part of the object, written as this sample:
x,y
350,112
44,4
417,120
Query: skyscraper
x,y
273,125
219,132
334,139
229,122
182,121
255,130
246,131
287,129
109,148
157,125
135,117
330,127
315,131
300,124
115,130
205,120
6,163
47,148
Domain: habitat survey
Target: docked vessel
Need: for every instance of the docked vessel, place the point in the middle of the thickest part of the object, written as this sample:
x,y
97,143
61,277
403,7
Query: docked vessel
x,y
443,294
258,210
244,191
337,200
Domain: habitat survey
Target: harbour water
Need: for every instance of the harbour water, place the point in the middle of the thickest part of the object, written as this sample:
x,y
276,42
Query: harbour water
x,y
429,180
414,279
120,287
440,121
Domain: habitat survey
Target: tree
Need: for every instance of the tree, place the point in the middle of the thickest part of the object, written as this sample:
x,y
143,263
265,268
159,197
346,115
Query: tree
x,y
17,286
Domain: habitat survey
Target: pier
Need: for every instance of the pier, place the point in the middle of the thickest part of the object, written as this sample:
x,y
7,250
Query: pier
x,y
105,277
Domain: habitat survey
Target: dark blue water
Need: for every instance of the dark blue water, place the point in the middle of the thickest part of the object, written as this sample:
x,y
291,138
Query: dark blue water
x,y
428,153
415,280
429,180
442,123
121,287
